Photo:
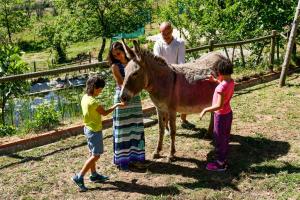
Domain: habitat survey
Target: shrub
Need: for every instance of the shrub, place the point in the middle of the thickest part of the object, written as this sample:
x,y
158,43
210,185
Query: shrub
x,y
7,130
45,117
32,45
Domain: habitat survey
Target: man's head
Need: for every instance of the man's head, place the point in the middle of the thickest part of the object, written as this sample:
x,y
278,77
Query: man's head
x,y
166,31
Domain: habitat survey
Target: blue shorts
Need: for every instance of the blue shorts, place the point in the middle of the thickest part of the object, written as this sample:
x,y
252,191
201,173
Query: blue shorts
x,y
94,141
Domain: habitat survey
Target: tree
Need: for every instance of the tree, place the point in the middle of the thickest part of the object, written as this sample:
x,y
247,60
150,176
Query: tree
x,y
226,20
106,18
58,34
61,30
27,7
12,18
11,64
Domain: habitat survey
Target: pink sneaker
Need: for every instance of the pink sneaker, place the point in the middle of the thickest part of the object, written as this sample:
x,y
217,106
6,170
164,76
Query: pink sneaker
x,y
215,166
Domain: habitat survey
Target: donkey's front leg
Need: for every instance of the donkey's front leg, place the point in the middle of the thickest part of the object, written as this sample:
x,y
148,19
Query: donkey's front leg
x,y
211,126
172,124
161,123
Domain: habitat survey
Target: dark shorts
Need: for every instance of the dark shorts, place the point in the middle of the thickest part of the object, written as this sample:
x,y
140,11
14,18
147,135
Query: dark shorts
x,y
94,141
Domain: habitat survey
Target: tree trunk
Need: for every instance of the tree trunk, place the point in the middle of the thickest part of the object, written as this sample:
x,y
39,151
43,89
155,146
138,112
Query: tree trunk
x,y
291,41
3,111
100,54
28,8
61,54
7,25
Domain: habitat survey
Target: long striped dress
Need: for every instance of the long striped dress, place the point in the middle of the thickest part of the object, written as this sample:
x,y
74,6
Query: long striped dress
x,y
128,130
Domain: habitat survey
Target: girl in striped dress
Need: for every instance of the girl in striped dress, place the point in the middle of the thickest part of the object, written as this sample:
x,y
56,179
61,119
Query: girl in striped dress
x,y
128,127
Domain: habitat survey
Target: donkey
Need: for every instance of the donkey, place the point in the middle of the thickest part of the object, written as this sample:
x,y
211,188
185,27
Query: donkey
x,y
182,88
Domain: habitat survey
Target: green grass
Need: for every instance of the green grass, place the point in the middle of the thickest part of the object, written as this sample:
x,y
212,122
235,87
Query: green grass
x,y
43,58
264,158
92,46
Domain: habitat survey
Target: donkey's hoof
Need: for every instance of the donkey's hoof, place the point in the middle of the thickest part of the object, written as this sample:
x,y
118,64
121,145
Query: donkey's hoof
x,y
156,156
171,159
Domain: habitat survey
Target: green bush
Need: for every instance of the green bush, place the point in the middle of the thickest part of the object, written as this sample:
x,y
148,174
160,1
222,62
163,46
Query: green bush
x,y
45,117
7,130
32,45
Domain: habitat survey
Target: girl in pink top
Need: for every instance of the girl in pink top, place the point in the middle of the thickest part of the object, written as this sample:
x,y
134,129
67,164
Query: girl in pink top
x,y
222,115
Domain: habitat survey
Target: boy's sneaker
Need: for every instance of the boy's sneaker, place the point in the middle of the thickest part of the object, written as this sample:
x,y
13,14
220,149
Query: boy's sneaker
x,y
98,178
215,166
79,182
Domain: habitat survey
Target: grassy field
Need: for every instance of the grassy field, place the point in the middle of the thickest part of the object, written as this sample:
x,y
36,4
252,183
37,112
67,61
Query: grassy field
x,y
43,58
264,158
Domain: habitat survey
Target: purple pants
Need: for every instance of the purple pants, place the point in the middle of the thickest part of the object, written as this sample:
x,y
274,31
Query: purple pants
x,y
222,128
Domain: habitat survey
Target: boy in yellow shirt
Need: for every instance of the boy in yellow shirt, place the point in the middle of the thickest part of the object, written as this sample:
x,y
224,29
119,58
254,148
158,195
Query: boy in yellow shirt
x,y
92,112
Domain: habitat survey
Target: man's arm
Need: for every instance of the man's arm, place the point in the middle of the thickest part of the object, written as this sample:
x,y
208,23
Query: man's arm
x,y
156,49
181,53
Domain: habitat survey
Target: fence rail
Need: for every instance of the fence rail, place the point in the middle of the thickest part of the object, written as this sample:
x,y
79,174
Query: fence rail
x,y
227,44
52,72
211,45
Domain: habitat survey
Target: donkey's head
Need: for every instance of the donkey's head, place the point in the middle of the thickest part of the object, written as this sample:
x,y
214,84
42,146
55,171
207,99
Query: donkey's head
x,y
135,77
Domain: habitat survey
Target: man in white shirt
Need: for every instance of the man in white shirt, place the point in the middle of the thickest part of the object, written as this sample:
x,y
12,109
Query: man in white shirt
x,y
173,50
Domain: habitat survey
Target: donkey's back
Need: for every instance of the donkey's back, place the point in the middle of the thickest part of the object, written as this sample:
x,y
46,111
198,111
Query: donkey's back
x,y
192,90
200,68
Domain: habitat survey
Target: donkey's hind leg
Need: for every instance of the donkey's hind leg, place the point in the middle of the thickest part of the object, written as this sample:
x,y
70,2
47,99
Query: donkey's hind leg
x,y
161,123
172,123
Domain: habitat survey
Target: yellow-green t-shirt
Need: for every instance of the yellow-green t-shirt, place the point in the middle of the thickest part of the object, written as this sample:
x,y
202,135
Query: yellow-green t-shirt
x,y
91,118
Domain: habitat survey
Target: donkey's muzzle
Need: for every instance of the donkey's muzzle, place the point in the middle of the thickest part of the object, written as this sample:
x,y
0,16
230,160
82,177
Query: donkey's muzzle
x,y
125,95
124,98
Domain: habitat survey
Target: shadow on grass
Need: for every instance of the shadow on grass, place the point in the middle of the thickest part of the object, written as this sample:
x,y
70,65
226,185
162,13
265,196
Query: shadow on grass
x,y
292,85
246,155
199,133
251,89
24,159
244,152
133,187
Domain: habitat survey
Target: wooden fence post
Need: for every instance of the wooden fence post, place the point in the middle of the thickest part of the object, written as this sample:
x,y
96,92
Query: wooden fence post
x,y
278,46
211,45
259,54
90,57
232,55
34,66
242,55
272,51
292,37
226,52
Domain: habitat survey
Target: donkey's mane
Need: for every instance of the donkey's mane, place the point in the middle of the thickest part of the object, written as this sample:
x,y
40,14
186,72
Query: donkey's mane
x,y
147,53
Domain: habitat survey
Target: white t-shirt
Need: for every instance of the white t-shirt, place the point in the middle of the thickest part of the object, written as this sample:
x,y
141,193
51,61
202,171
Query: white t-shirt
x,y
173,53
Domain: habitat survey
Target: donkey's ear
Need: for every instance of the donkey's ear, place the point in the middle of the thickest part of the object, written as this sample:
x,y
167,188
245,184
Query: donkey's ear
x,y
129,53
137,49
